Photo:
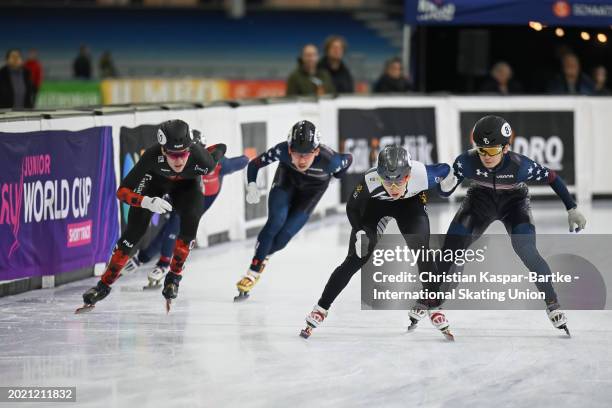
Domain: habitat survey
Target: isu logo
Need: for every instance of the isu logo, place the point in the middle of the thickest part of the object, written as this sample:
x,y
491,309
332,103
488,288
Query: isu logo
x,y
561,9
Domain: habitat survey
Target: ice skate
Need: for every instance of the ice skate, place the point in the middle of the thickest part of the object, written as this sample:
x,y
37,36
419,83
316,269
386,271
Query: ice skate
x,y
416,314
171,286
439,321
132,264
313,320
93,295
558,318
155,277
248,281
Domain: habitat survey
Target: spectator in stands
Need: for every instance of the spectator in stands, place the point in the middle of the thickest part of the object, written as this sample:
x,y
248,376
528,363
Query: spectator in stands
x,y
335,46
500,81
307,79
81,66
600,76
107,66
393,79
33,65
571,81
16,88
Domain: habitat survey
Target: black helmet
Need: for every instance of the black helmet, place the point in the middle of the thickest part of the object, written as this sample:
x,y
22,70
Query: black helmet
x,y
304,137
174,135
491,131
393,163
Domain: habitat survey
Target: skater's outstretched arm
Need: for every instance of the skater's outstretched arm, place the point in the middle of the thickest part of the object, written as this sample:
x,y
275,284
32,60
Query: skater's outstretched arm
x,y
435,174
230,165
534,173
276,153
461,170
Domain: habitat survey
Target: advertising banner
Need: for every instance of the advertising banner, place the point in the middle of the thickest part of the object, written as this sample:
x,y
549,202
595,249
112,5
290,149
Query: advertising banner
x,y
363,132
68,94
58,210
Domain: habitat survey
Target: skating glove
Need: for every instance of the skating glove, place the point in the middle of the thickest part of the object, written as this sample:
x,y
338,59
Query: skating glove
x,y
252,195
156,204
448,182
575,217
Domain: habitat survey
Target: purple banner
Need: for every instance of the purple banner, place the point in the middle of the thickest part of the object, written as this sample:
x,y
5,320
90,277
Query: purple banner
x,y
58,209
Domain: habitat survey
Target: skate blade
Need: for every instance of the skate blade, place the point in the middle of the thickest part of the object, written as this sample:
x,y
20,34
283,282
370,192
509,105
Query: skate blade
x,y
84,309
168,304
306,332
241,297
564,327
448,335
413,325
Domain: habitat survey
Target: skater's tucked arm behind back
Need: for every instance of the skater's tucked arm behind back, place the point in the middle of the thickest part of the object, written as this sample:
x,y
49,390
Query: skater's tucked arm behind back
x,y
209,157
278,152
356,204
340,163
230,165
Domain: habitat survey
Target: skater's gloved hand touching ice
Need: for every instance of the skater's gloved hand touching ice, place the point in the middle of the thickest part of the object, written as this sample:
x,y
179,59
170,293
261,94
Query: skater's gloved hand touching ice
x,y
156,204
575,217
252,196
365,239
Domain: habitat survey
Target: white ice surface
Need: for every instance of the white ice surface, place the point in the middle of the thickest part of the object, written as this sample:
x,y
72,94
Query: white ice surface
x,y
211,352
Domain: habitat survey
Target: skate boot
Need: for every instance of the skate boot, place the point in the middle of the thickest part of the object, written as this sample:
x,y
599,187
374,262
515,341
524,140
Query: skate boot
x,y
557,317
313,320
415,314
171,286
155,276
93,295
440,322
248,281
132,264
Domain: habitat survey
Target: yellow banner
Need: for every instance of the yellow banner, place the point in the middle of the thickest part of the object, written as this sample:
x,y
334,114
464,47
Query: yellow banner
x,y
120,91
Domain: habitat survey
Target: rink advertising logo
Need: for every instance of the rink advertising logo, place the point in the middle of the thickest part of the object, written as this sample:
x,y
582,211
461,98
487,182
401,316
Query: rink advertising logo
x,y
561,9
79,234
546,151
592,10
41,200
435,10
365,151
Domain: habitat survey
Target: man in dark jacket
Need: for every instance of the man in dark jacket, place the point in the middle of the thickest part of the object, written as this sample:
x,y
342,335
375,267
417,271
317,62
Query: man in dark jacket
x,y
571,81
500,81
81,67
16,88
307,79
335,46
392,80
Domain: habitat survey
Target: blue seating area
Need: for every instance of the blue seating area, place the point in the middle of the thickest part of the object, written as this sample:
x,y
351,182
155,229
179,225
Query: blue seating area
x,y
157,37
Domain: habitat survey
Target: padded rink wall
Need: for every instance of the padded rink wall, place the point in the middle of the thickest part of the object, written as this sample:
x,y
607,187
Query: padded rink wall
x,y
261,125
